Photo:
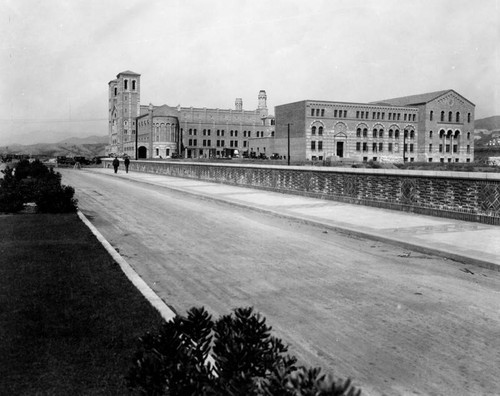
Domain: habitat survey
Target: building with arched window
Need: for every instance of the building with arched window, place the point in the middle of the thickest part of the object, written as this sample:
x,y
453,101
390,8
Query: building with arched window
x,y
392,130
431,127
147,131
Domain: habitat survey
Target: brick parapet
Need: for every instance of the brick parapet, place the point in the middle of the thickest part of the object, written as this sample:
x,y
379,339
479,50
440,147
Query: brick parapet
x,y
464,196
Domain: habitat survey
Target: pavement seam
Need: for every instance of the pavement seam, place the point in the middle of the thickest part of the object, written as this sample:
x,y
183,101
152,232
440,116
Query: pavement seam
x,y
421,248
166,313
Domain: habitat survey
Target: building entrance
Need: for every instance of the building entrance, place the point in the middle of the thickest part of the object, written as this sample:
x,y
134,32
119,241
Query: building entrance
x,y
340,149
142,152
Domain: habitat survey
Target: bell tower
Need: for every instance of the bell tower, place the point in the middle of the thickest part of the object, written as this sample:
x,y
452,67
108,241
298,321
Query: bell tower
x,y
262,103
124,107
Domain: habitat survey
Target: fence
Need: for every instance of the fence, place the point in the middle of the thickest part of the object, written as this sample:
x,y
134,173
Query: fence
x,y
458,195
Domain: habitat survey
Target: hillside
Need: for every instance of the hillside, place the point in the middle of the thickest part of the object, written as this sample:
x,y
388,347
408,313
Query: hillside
x,y
91,146
488,123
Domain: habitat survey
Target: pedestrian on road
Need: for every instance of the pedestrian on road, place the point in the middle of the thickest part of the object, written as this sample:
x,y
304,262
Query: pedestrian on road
x,y
127,163
116,164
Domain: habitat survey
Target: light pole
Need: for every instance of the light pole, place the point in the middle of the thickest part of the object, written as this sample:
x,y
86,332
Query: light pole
x,y
288,156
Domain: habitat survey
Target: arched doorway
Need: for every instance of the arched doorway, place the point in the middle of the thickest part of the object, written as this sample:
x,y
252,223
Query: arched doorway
x,y
142,152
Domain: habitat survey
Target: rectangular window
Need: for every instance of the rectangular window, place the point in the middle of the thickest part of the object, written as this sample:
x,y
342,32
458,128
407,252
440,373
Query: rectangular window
x,y
335,113
374,146
405,116
320,145
383,115
358,146
312,112
430,148
209,143
447,148
468,149
365,146
389,114
357,114
455,148
313,145
235,133
345,113
440,148
322,112
190,142
235,143
373,116
389,147
381,147
411,148
195,142
222,132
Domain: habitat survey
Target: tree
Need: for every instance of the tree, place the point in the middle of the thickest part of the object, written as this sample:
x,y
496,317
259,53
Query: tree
x,y
235,355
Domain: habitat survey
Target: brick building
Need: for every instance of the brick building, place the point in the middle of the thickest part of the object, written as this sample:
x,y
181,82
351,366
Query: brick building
x,y
164,131
432,127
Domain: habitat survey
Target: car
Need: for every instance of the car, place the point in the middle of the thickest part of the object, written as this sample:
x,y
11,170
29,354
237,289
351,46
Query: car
x,y
81,160
274,156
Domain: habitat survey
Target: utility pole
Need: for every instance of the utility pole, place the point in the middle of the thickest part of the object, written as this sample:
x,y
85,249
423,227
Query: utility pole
x,y
288,156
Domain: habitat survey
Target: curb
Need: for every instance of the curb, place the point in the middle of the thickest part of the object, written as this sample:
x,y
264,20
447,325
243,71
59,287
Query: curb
x,y
166,313
465,260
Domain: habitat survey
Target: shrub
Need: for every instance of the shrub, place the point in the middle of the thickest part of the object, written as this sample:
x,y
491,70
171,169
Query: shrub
x,y
247,360
34,182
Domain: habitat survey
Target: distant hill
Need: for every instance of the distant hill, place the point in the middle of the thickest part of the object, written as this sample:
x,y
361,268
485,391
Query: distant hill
x,y
488,123
86,140
90,147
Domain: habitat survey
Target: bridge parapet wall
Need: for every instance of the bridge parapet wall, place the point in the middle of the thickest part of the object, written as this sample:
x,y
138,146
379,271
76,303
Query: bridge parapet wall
x,y
458,195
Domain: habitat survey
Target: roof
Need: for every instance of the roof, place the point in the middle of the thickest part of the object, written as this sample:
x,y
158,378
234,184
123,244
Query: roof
x,y
413,99
128,72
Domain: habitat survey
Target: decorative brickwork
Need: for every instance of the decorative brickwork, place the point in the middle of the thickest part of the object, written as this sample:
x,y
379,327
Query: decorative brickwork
x,y
470,197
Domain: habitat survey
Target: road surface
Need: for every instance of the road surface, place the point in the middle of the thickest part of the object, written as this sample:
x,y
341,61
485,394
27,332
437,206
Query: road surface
x,y
397,324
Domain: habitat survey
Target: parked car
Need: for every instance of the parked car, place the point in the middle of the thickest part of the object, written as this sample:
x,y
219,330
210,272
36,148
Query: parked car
x,y
275,156
82,160
262,156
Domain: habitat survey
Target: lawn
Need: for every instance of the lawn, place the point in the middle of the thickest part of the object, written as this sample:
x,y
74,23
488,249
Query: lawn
x,y
69,318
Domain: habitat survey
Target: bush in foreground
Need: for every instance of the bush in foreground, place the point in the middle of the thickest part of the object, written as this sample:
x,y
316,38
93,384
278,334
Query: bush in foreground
x,y
34,182
247,360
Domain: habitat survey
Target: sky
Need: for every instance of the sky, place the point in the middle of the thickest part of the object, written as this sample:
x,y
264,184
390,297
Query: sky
x,y
57,56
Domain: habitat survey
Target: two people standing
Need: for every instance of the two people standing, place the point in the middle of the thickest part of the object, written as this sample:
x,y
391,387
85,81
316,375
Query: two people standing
x,y
116,164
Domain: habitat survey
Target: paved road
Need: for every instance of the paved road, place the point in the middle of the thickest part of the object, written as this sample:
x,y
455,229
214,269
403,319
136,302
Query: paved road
x,y
397,324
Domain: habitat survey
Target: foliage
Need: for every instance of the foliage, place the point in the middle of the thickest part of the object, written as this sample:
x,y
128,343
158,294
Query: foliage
x,y
246,360
34,182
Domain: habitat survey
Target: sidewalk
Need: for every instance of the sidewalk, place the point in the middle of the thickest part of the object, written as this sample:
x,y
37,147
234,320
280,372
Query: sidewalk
x,y
467,242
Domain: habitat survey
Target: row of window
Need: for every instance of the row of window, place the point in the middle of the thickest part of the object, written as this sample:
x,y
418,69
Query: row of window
x,y
380,133
219,143
126,86
376,115
379,147
450,116
221,132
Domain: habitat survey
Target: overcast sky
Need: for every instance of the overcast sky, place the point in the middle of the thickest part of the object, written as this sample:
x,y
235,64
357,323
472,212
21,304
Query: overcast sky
x,y
57,57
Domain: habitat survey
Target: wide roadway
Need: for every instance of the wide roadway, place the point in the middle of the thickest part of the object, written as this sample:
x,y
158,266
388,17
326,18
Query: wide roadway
x,y
397,323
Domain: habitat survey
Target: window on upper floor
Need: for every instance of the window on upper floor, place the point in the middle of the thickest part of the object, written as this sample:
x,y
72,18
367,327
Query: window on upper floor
x,y
431,115
374,133
450,115
313,130
313,145
430,135
365,132
320,130
322,112
380,133
133,85
391,132
468,117
442,116
358,132
457,117
116,91
312,112
345,113
125,84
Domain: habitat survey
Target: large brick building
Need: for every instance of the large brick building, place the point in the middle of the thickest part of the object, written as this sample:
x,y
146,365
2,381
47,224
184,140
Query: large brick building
x,y
165,131
432,127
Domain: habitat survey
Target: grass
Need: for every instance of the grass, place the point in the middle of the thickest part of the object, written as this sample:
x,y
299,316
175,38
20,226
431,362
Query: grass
x,y
69,318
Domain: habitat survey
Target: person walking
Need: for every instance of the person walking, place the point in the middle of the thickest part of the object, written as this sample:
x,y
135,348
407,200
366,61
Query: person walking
x,y
127,163
116,164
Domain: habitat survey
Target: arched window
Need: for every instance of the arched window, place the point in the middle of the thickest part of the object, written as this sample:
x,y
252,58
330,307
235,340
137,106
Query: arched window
x,y
313,130
442,116
365,132
125,84
412,134
406,133
391,132
431,115
457,117
430,135
358,132
320,130
468,135
450,115
133,85
442,133
396,133
381,133
449,134
374,133
116,91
